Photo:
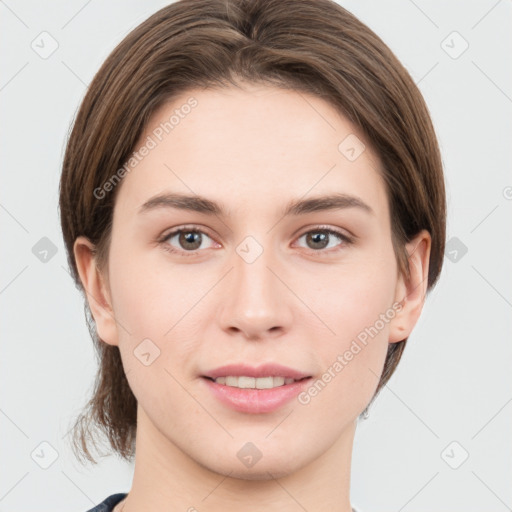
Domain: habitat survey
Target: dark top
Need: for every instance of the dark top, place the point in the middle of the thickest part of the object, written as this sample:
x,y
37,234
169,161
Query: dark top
x,y
109,503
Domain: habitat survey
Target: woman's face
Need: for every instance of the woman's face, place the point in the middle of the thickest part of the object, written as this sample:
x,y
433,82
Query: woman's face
x,y
252,284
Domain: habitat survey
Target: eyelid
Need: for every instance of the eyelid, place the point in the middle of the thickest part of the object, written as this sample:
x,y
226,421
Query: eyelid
x,y
186,227
326,227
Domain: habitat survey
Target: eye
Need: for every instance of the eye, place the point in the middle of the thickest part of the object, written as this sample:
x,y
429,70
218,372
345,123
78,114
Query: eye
x,y
189,240
321,237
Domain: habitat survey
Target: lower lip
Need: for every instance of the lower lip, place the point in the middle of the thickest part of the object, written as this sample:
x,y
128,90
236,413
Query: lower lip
x,y
256,401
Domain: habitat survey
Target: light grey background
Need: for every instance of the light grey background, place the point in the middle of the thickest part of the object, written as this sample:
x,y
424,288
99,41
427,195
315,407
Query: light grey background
x,y
451,395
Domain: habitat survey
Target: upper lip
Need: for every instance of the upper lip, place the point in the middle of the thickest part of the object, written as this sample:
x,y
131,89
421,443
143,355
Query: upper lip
x,y
264,370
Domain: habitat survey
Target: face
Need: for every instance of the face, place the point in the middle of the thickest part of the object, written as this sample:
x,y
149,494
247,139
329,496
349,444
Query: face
x,y
251,284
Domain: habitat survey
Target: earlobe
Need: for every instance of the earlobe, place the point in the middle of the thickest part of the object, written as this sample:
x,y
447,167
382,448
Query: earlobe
x,y
96,290
411,293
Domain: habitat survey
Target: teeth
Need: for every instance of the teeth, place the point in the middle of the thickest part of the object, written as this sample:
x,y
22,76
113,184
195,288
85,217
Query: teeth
x,y
254,383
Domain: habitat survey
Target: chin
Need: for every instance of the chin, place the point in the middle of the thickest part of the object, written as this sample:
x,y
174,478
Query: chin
x,y
262,470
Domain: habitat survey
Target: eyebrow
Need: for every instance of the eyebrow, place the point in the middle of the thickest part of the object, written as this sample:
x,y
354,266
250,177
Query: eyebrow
x,y
337,201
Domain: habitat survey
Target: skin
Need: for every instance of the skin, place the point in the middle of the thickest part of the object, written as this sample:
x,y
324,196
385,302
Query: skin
x,y
252,149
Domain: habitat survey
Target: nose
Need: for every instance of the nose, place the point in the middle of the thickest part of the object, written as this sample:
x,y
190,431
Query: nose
x,y
256,302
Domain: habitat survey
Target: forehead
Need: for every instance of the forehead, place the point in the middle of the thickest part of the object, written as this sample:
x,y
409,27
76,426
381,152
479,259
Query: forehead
x,y
249,147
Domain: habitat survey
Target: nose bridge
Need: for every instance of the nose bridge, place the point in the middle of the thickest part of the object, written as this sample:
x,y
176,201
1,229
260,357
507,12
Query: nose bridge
x,y
254,302
254,280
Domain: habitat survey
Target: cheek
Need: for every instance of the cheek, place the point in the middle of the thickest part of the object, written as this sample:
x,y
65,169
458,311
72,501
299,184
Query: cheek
x,y
146,300
155,306
352,360
355,299
156,342
358,309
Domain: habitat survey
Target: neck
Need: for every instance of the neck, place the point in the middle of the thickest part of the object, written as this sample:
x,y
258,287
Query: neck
x,y
166,478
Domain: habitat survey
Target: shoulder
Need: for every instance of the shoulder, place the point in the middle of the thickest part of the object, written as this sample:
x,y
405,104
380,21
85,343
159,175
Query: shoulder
x,y
109,503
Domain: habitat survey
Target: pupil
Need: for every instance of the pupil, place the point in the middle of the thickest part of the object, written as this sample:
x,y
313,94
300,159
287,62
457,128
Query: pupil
x,y
188,238
319,238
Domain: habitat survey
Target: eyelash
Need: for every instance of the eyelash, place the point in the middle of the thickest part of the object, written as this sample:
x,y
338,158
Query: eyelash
x,y
324,229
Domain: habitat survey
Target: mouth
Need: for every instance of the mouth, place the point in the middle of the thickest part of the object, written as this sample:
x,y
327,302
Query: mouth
x,y
255,390
255,395
260,383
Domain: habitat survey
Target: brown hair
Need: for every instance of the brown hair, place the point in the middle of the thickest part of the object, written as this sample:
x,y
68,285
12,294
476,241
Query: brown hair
x,y
314,46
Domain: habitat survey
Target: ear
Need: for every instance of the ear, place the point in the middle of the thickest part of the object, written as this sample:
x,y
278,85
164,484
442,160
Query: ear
x,y
97,292
411,292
